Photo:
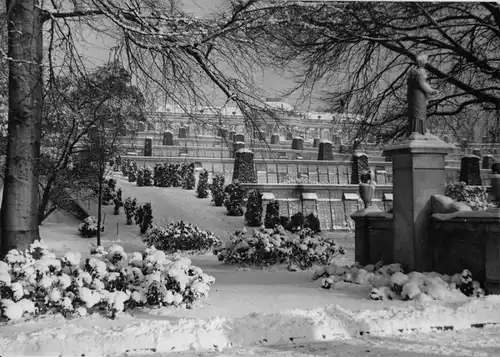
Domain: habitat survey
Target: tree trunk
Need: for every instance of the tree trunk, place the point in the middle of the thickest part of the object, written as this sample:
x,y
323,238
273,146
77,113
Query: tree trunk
x,y
19,216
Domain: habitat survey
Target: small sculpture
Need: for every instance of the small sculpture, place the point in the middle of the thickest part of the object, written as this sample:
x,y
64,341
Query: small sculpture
x,y
419,91
367,188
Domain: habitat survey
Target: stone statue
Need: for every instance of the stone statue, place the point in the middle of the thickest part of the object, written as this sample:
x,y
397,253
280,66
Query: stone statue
x,y
419,91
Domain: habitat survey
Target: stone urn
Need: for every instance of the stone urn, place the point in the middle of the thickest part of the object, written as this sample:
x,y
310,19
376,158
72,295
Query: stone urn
x,y
366,188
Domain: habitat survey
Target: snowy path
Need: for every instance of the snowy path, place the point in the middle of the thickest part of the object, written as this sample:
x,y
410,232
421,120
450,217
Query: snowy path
x,y
463,343
175,204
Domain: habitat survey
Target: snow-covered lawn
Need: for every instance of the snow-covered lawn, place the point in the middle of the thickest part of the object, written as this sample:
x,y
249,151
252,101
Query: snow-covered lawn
x,y
267,312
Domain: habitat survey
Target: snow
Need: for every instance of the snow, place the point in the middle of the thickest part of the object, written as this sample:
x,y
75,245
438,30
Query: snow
x,y
270,312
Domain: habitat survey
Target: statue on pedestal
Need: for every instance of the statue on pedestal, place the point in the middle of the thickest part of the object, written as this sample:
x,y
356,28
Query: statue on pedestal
x,y
419,91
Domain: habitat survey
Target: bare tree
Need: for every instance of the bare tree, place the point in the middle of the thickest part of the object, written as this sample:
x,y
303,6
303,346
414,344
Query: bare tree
x,y
359,53
167,50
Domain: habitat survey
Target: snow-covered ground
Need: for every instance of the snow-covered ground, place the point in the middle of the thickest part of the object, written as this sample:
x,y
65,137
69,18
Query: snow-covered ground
x,y
251,311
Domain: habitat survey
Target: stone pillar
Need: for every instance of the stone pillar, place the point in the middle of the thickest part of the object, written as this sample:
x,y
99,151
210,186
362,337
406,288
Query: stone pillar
x,y
183,132
488,161
418,173
232,133
325,151
289,135
359,163
239,137
168,138
298,143
237,146
148,147
316,142
470,171
244,167
275,139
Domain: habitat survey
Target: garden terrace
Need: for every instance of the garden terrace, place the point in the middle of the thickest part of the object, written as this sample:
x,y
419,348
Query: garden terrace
x,y
282,171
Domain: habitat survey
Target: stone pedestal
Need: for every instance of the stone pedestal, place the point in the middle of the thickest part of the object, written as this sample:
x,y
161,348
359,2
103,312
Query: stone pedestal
x,y
239,137
470,171
168,138
325,151
359,164
418,173
298,143
237,146
183,132
275,139
316,142
148,147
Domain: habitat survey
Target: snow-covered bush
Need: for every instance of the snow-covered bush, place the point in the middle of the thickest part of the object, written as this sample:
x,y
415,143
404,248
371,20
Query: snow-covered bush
x,y
140,178
202,188
253,213
272,218
130,208
176,174
132,172
266,247
108,194
189,181
218,190
389,282
88,228
38,282
233,200
147,218
474,196
182,236
118,201
147,176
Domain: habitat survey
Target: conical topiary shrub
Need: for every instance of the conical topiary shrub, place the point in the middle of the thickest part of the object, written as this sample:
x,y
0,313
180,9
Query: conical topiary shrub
x,y
218,190
272,218
202,189
140,178
234,199
190,178
148,176
253,213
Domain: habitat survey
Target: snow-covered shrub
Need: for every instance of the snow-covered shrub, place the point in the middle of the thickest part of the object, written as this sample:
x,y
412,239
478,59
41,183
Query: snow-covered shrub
x,y
296,222
266,247
132,172
389,282
474,196
272,218
109,194
176,174
130,208
202,188
233,201
125,167
189,182
140,178
88,228
147,218
147,176
253,213
118,201
218,190
181,236
139,215
109,282
312,222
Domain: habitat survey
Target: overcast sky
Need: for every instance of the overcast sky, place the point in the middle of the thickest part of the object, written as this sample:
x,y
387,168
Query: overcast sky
x,y
98,48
